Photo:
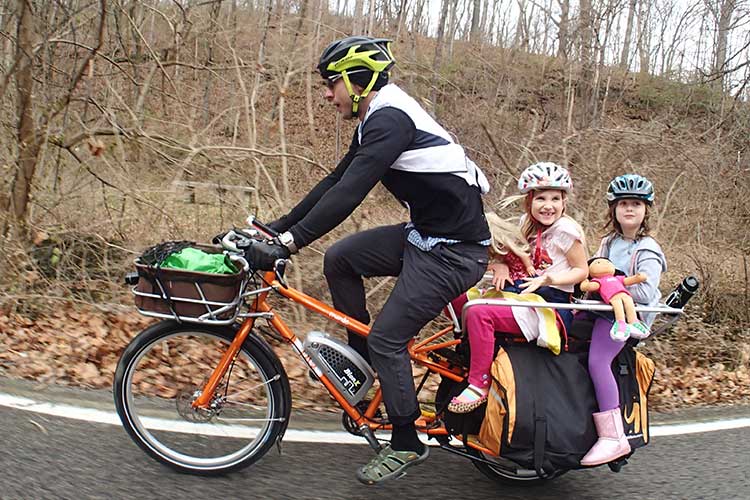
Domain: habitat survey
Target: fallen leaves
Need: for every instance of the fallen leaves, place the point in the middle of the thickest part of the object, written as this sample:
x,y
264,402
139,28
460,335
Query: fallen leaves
x,y
80,346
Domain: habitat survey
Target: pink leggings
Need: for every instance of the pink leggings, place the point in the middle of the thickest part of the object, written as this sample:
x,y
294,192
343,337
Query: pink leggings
x,y
481,322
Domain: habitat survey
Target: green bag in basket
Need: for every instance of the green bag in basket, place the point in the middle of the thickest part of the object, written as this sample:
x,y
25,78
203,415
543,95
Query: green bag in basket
x,y
193,259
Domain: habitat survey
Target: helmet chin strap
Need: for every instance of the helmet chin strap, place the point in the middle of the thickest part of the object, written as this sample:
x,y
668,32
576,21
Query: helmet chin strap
x,y
357,98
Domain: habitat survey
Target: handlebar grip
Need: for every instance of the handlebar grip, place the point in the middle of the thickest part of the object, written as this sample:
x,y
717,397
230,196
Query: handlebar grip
x,y
259,225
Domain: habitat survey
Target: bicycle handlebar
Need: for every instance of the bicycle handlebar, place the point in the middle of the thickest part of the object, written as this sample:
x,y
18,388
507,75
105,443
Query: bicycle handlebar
x,y
239,241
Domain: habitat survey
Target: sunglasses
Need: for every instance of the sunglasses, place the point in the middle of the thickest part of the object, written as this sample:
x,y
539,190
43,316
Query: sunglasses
x,y
331,81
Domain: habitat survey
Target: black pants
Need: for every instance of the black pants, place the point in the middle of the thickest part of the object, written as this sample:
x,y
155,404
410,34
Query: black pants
x,y
427,281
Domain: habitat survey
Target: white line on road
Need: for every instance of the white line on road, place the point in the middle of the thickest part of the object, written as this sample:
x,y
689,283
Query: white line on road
x,y
292,435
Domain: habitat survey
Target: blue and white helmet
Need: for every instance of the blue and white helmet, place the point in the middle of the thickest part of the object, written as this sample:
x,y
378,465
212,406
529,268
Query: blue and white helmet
x,y
544,175
630,186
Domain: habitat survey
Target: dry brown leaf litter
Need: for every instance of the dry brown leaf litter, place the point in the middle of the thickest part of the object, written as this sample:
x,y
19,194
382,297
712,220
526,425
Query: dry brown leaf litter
x,y
80,346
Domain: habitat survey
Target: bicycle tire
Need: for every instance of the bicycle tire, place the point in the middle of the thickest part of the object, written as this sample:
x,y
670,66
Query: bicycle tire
x,y
161,371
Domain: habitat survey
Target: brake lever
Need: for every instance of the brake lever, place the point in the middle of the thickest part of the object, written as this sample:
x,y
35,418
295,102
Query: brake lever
x,y
279,267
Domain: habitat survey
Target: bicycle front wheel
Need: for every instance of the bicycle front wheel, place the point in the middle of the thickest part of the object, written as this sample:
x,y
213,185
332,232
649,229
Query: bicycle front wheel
x,y
163,371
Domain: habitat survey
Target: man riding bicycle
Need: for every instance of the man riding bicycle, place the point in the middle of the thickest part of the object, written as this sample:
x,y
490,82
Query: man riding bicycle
x,y
437,255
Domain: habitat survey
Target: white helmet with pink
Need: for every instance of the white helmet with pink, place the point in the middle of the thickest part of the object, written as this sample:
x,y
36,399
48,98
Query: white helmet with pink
x,y
545,175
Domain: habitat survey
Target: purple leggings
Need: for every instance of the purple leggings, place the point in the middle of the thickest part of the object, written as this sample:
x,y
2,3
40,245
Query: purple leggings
x,y
601,353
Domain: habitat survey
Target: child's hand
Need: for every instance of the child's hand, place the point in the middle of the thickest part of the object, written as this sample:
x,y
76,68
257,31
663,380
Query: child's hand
x,y
500,275
534,283
531,271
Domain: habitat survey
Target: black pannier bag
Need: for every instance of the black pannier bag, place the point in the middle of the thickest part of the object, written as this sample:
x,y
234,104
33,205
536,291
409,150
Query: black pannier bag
x,y
539,409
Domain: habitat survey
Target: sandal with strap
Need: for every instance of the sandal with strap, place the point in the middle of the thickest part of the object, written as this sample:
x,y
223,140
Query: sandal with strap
x,y
476,399
389,464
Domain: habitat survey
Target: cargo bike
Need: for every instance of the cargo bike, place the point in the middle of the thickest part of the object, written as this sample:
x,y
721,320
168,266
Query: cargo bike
x,y
203,392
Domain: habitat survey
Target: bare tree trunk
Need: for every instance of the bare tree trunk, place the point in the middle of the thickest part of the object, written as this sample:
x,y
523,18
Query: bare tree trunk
x,y
475,18
312,52
213,25
6,56
437,62
452,26
644,37
625,55
720,57
283,89
587,82
402,13
253,132
521,40
370,16
28,143
233,22
357,23
485,19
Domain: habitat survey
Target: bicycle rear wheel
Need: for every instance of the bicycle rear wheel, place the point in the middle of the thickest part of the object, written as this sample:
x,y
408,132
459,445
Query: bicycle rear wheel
x,y
161,373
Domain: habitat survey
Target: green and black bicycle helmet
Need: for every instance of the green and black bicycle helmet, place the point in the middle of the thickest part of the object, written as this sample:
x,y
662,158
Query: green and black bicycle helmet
x,y
630,186
364,60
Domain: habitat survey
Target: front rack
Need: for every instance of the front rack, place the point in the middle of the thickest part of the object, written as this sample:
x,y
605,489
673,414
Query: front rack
x,y
217,313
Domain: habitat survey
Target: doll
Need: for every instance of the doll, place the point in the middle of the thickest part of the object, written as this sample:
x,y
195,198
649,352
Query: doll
x,y
612,289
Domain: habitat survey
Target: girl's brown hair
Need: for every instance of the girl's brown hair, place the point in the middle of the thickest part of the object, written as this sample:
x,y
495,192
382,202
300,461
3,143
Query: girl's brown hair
x,y
612,227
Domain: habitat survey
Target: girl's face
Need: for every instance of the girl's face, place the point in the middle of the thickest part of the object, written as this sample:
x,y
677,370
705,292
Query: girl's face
x,y
630,214
547,206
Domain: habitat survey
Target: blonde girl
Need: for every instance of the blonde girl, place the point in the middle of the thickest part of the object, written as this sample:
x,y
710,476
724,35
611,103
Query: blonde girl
x,y
559,261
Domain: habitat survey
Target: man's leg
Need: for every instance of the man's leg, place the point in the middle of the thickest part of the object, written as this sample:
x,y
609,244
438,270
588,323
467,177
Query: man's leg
x,y
428,281
375,252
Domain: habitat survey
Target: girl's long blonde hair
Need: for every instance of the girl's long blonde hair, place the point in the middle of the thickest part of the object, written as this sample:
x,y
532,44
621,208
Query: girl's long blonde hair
x,y
506,236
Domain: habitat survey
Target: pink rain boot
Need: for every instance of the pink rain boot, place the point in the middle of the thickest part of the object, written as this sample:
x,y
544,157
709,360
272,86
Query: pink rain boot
x,y
612,443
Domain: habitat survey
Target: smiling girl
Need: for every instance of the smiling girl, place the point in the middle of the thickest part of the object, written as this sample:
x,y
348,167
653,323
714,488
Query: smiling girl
x,y
559,259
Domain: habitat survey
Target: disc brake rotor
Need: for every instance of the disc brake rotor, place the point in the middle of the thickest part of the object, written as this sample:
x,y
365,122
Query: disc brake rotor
x,y
185,408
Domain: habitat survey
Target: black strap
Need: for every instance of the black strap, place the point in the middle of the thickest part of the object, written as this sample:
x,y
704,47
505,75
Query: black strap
x,y
540,434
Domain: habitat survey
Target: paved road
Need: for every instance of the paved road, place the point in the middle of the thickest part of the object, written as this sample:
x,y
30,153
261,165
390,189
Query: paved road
x,y
52,457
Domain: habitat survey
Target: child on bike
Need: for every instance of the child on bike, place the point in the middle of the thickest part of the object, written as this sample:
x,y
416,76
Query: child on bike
x,y
559,262
630,248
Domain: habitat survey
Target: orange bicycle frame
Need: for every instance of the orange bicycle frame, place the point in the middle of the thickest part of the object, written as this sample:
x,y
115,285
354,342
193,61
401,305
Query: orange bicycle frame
x,y
422,353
